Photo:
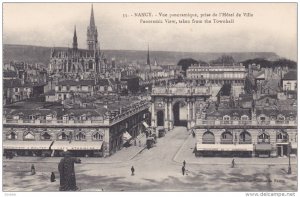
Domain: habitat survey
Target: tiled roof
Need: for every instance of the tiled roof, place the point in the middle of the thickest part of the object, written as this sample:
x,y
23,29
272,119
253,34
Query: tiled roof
x,y
230,112
9,74
70,52
291,75
50,92
76,83
129,77
273,112
225,90
273,96
103,82
12,83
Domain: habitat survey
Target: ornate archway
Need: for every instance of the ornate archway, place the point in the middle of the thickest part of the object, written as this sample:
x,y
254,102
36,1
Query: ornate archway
x,y
180,113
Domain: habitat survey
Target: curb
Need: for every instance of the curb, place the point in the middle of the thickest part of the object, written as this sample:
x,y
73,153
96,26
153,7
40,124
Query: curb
x,y
102,162
179,149
137,153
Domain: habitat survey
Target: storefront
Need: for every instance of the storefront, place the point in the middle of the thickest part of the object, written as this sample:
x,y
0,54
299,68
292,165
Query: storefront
x,y
282,149
263,150
27,148
224,150
294,147
78,148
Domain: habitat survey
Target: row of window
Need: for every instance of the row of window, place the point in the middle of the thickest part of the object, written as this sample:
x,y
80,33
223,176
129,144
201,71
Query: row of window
x,y
28,135
246,136
279,118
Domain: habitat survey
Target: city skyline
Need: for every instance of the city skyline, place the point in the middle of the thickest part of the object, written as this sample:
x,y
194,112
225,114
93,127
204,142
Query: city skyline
x,y
254,34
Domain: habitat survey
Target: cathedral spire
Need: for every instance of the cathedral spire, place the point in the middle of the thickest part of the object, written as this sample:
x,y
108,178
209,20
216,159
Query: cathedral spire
x,y
75,44
92,34
148,57
92,20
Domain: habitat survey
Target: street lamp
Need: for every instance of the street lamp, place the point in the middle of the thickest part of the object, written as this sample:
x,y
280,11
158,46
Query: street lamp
x,y
289,168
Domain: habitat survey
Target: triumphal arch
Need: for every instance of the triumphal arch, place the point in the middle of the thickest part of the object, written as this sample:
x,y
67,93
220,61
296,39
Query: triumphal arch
x,y
177,104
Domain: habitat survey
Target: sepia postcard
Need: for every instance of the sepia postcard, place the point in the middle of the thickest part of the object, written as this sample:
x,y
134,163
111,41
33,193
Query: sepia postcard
x,y
150,97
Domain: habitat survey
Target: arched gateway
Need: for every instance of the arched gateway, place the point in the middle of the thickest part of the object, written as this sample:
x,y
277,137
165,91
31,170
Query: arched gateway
x,y
179,103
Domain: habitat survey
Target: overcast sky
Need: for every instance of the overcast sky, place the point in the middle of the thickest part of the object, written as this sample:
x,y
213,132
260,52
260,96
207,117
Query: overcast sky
x,y
273,28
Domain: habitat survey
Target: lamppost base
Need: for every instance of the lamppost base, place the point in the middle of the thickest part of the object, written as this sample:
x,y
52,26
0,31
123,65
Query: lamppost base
x,y
289,170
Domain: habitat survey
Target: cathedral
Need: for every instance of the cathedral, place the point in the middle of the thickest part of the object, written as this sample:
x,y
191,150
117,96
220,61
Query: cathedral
x,y
79,61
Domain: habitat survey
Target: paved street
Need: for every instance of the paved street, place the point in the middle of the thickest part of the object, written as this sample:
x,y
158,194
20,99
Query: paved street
x,y
158,169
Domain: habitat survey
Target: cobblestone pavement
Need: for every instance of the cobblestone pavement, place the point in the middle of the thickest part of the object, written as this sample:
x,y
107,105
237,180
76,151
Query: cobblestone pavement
x,y
156,169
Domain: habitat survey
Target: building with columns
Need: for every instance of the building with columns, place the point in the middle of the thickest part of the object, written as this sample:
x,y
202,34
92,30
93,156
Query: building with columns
x,y
44,129
250,132
225,130
167,102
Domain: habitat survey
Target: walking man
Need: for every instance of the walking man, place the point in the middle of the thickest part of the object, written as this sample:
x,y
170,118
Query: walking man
x,y
183,170
184,163
132,171
52,178
193,133
32,170
232,163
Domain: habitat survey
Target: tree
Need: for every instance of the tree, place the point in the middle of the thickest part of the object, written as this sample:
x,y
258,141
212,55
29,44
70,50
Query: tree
x,y
186,63
224,59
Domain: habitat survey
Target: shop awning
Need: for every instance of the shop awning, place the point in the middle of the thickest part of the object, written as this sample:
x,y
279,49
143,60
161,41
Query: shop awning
x,y
77,145
294,145
126,136
145,125
224,147
27,145
263,147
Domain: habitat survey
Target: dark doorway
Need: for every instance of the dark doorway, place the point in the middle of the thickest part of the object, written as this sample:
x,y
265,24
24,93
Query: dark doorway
x,y
176,113
160,118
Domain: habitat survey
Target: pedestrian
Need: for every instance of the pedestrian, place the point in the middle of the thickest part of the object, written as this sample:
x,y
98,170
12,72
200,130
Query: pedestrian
x,y
132,171
139,143
184,163
232,163
32,170
52,179
193,133
183,170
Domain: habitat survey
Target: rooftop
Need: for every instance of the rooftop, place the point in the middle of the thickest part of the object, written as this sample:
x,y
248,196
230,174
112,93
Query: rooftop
x,y
76,82
9,74
291,75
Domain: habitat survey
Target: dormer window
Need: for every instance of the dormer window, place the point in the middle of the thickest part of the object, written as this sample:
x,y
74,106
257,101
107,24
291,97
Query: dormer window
x,y
12,136
226,119
28,135
80,136
62,136
97,136
46,136
267,101
16,117
65,117
49,117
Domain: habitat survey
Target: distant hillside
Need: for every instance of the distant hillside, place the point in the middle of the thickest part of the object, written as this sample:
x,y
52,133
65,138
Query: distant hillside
x,y
38,54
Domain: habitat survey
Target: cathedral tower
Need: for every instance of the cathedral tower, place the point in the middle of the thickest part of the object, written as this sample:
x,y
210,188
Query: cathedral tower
x,y
75,44
92,34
